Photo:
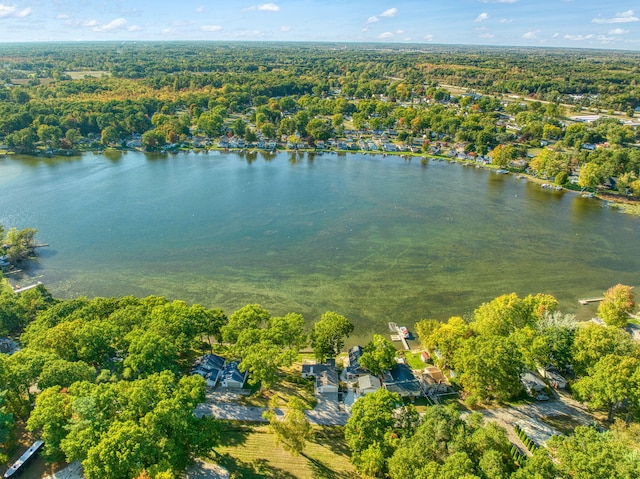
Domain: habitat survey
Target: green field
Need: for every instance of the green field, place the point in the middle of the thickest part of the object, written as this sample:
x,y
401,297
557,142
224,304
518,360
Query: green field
x,y
250,452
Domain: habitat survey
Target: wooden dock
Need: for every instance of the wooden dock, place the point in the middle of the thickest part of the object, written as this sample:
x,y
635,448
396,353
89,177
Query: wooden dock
x,y
586,301
27,288
396,335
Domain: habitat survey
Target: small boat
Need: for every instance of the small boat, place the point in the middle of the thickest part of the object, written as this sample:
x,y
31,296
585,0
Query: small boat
x,y
558,188
29,454
587,195
546,185
404,331
502,171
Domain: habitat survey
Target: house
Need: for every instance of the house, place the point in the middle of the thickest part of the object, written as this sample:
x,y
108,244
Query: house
x,y
327,382
401,380
368,384
532,382
432,380
210,367
232,377
314,369
555,379
8,346
424,356
353,368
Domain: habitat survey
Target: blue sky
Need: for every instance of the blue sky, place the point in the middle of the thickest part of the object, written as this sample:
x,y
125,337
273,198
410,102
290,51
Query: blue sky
x,y
614,24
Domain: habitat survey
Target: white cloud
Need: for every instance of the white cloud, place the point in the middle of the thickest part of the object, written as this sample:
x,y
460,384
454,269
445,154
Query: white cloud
x,y
482,17
624,17
591,36
12,11
371,20
62,16
531,35
134,28
617,31
555,35
269,7
200,9
24,13
428,38
285,28
486,35
505,20
251,33
167,31
90,23
115,24
210,28
385,35
389,13
399,32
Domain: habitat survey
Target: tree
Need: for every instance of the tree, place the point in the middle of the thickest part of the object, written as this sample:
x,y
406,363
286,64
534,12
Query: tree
x,y
618,302
251,316
328,335
588,453
6,427
263,359
590,176
149,353
50,416
488,368
445,338
153,140
367,431
378,356
64,373
593,342
612,384
507,313
294,430
18,244
109,136
502,155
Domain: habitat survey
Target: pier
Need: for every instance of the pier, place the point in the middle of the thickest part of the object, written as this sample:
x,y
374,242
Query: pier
x,y
27,288
397,335
586,301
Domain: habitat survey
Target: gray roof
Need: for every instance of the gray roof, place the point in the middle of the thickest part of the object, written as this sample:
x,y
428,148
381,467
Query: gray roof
x,y
402,381
328,377
232,373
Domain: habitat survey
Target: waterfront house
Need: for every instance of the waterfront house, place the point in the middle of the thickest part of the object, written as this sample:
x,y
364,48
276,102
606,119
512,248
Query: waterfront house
x,y
314,369
232,377
532,382
327,382
368,384
353,368
401,380
553,377
210,367
432,381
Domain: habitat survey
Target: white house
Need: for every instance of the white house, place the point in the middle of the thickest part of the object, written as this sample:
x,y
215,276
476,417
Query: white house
x,y
327,382
368,384
232,377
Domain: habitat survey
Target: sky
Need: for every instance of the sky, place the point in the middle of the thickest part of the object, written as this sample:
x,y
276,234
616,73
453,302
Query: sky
x,y
612,24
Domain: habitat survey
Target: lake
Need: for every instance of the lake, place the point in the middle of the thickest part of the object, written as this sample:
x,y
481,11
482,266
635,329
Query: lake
x,y
375,238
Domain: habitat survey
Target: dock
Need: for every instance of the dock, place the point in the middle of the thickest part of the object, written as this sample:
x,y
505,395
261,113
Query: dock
x,y
397,335
27,288
586,301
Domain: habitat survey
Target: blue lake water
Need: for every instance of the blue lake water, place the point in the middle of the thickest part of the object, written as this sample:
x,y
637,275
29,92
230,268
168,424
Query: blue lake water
x,y
375,238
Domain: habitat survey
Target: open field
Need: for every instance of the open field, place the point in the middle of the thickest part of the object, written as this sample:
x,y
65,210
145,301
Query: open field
x,y
78,75
250,452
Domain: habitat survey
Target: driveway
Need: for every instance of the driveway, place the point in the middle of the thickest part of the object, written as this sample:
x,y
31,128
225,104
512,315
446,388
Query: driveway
x,y
327,412
529,416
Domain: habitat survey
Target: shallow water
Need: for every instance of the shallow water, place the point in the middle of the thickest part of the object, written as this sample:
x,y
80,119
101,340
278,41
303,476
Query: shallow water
x,y
376,239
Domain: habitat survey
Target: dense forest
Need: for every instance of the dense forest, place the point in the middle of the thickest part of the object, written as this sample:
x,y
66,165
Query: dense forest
x,y
106,381
60,98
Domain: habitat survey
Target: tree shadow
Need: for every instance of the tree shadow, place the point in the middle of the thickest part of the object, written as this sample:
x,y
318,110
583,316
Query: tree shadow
x,y
320,470
260,468
234,434
334,436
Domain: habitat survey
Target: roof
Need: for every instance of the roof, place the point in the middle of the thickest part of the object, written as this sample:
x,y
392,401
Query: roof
x,y
232,373
328,377
209,362
435,374
402,381
368,381
316,369
354,355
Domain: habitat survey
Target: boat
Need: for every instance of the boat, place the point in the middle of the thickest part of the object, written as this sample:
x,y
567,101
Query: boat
x,y
587,195
404,331
502,171
28,455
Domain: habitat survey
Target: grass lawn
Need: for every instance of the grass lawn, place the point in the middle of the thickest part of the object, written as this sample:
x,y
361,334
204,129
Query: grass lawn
x,y
288,386
250,452
413,359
